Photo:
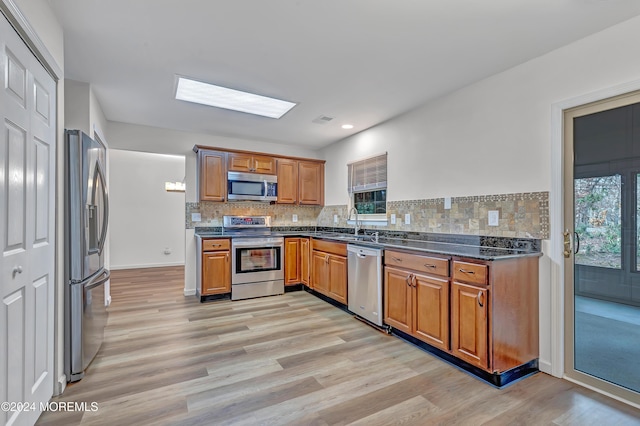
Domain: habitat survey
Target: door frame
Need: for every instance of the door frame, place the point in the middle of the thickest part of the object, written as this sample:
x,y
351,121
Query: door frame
x,y
559,288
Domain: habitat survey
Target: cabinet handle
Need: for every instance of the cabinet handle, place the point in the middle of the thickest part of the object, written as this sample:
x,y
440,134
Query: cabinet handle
x,y
397,259
413,280
466,271
326,259
429,265
479,299
227,257
408,280
216,245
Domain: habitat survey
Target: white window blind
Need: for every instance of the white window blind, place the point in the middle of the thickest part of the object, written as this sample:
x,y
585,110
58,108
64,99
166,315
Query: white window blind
x,y
368,175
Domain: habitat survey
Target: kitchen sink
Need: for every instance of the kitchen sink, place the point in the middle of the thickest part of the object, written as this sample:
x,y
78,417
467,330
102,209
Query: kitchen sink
x,y
348,237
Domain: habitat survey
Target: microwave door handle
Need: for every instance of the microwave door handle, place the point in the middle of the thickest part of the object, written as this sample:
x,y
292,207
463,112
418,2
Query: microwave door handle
x,y
105,221
265,188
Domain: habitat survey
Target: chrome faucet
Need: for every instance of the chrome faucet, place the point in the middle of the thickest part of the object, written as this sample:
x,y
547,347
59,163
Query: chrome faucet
x,y
357,226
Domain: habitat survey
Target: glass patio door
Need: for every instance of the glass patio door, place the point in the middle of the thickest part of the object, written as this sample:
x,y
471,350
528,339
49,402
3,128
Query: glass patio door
x,y
602,250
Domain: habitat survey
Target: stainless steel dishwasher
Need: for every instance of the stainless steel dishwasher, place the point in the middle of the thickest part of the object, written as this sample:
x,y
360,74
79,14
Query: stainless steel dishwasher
x,y
365,282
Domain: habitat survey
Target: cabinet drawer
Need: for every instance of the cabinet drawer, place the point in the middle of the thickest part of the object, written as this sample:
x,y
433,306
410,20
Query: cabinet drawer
x,y
329,247
470,272
215,245
428,264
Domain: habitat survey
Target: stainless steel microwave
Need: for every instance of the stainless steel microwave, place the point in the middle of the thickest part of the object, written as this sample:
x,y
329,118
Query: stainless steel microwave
x,y
252,186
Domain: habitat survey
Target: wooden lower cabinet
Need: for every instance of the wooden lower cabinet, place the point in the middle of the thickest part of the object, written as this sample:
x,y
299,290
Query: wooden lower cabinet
x,y
431,310
398,299
305,251
216,272
329,270
292,271
486,314
418,305
296,260
469,323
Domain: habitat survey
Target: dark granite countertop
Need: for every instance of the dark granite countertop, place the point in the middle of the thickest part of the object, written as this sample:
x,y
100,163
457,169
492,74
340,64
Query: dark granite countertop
x,y
462,246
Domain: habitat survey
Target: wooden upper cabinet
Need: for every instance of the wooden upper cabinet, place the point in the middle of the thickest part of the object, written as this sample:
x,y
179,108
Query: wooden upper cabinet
x,y
287,181
212,175
251,163
310,183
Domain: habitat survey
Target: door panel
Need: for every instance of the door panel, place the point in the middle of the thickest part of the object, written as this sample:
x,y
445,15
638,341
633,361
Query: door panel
x,y
601,224
469,324
27,227
398,304
432,310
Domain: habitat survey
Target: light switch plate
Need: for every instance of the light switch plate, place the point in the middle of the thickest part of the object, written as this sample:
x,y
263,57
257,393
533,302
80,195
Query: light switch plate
x,y
407,219
494,217
295,218
196,217
393,218
335,218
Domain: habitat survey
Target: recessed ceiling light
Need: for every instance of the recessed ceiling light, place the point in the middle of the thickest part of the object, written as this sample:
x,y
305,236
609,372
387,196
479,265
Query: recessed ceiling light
x,y
222,97
347,126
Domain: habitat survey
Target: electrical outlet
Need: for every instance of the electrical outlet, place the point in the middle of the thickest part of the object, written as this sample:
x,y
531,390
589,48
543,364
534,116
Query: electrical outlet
x,y
393,218
494,217
335,218
295,218
447,203
196,217
407,219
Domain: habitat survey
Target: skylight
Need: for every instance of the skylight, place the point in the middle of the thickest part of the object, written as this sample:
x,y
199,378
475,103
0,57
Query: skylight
x,y
222,97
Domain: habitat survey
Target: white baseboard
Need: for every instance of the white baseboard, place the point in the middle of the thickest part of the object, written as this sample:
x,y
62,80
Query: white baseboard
x,y
545,366
61,385
147,265
190,292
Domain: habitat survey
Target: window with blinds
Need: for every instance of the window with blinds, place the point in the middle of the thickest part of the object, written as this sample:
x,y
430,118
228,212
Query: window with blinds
x,y
367,184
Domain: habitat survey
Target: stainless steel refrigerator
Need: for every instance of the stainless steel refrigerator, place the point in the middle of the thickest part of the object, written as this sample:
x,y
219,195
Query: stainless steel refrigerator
x,y
86,221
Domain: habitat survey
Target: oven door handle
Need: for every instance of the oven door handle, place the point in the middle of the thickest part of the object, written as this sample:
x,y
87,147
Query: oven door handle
x,y
257,245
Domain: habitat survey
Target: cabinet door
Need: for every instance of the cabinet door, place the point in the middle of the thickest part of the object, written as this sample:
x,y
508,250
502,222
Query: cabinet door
x,y
319,272
338,278
213,176
310,183
264,164
216,272
240,162
431,310
397,299
287,181
469,339
291,261
304,260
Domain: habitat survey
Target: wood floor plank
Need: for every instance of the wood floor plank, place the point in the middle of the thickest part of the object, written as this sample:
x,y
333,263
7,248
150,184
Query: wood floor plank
x,y
293,359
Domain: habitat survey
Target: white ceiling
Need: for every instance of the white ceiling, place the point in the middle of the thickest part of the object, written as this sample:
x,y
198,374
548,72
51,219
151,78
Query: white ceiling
x,y
359,61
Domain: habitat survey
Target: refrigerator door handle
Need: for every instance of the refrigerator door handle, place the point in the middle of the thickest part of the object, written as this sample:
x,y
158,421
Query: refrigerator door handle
x,y
105,222
98,279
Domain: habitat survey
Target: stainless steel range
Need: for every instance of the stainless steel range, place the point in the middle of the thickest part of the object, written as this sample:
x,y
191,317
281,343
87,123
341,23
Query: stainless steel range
x,y
257,264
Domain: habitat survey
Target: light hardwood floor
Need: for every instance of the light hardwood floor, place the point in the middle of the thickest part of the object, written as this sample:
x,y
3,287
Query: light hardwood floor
x,y
290,360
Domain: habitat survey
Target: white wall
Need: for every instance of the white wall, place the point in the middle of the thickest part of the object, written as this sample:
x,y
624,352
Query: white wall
x,y
145,219
492,137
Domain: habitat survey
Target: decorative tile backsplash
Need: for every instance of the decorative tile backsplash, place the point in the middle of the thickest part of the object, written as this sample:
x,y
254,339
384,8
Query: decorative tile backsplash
x,y
522,215
281,215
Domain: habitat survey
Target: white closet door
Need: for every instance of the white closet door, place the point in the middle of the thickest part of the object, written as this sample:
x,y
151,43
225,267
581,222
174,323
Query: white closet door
x,y
27,228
